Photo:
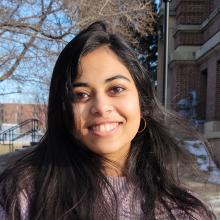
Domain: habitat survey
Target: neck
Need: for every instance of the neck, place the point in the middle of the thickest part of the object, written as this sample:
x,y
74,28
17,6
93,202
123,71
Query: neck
x,y
114,167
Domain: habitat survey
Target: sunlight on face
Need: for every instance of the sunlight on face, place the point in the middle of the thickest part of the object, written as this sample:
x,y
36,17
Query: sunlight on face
x,y
106,104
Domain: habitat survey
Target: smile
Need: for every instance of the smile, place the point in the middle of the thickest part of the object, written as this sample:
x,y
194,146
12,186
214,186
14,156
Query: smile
x,y
105,128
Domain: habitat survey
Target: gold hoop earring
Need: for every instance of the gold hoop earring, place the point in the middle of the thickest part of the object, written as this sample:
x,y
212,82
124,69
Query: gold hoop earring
x,y
145,125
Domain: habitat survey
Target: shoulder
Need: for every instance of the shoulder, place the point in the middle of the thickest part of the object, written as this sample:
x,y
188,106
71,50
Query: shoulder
x,y
13,189
3,195
177,213
199,214
20,201
2,213
169,209
13,170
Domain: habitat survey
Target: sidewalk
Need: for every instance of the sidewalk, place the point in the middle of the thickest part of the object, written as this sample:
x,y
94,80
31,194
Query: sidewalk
x,y
208,192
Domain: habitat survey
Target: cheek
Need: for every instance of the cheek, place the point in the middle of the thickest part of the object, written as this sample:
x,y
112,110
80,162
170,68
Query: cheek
x,y
131,106
130,110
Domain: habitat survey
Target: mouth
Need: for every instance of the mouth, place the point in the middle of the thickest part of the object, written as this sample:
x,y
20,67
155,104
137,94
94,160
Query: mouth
x,y
105,129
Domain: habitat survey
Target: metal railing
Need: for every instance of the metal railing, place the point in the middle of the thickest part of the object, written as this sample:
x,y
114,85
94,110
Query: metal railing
x,y
9,136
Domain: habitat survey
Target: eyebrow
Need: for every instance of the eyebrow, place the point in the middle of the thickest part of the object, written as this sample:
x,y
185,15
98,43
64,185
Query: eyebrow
x,y
82,84
117,77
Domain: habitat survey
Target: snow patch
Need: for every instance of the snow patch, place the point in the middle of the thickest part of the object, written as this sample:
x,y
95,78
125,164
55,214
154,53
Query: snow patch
x,y
205,163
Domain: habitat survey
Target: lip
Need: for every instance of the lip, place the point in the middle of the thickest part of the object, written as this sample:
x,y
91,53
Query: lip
x,y
109,132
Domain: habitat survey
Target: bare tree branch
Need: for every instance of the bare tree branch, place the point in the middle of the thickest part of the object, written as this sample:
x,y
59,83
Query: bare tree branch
x,y
33,32
127,16
19,58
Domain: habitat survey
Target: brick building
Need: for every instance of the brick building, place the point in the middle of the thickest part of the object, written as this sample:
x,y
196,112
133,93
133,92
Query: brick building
x,y
17,113
194,58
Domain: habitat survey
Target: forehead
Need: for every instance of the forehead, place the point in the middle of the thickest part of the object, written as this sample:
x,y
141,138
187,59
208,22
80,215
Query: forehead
x,y
101,63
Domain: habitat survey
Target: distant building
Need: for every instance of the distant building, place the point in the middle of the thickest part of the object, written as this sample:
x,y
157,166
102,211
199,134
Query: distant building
x,y
194,58
11,114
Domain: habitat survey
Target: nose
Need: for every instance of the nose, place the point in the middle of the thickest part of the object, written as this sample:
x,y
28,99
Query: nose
x,y
101,105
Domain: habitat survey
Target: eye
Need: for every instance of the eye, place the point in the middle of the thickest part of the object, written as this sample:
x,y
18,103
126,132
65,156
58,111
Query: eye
x,y
115,90
80,96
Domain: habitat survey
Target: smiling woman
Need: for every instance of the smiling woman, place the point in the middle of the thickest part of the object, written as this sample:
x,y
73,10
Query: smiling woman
x,y
109,151
106,105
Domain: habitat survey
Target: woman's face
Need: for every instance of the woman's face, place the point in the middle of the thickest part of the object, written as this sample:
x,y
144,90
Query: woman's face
x,y
106,106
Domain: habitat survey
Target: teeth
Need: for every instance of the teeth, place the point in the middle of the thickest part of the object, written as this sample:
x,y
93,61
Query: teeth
x,y
105,127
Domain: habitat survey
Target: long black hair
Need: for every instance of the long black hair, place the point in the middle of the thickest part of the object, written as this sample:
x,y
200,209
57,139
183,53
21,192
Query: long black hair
x,y
62,179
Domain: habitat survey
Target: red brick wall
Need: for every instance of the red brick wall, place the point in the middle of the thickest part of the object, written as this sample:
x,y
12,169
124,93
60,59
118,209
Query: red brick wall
x,y
188,38
217,97
182,80
197,37
186,77
212,28
215,3
193,11
202,92
202,75
210,64
194,37
16,113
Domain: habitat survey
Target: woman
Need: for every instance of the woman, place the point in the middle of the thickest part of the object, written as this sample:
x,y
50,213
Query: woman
x,y
107,152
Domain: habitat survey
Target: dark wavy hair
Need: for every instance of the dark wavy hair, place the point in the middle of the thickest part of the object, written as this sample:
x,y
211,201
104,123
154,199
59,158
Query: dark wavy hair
x,y
62,179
